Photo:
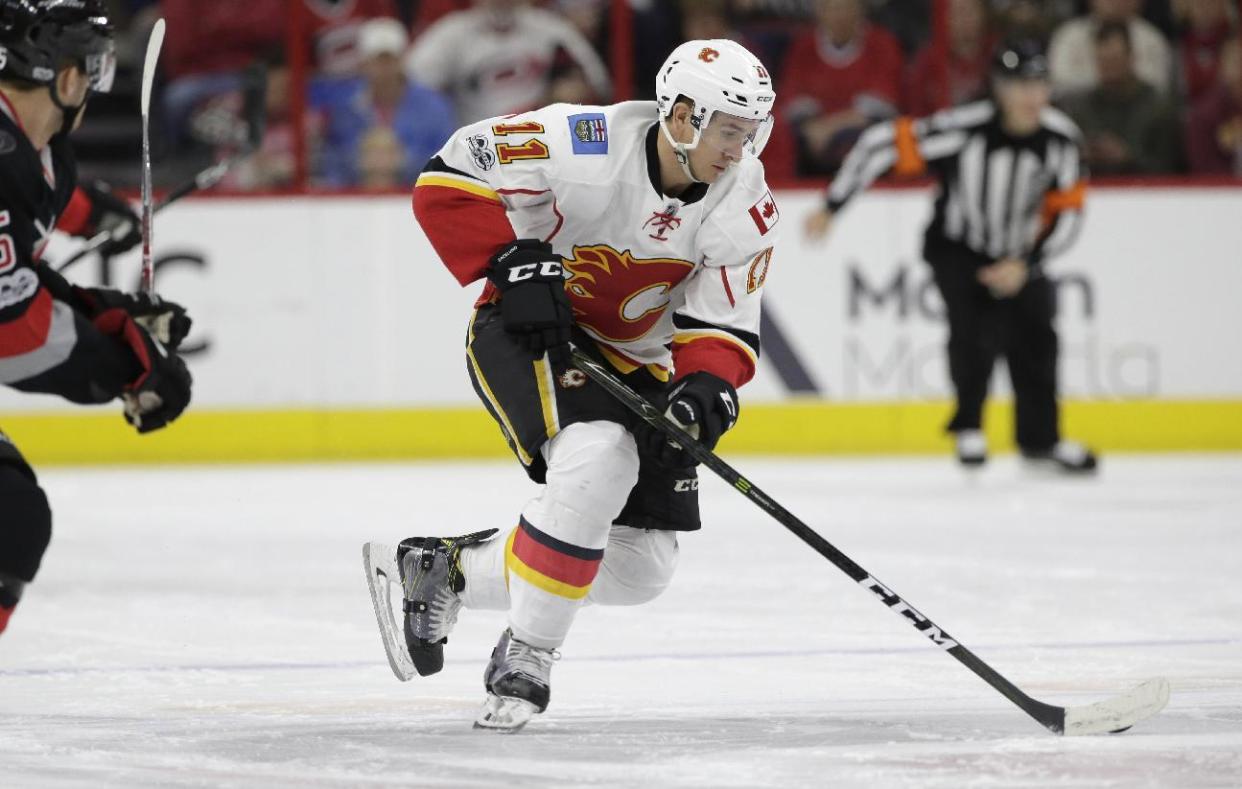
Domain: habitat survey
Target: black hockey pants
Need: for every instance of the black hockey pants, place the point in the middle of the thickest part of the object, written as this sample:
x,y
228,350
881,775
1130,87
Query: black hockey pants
x,y
25,519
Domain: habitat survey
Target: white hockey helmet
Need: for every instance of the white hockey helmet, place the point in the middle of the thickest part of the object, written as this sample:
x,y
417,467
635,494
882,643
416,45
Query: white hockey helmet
x,y
719,76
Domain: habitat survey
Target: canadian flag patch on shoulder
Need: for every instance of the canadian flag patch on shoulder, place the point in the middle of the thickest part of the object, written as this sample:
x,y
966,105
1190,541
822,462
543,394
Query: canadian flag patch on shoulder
x,y
764,213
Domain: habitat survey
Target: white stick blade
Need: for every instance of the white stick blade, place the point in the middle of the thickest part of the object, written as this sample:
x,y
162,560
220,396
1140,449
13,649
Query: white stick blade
x,y
380,563
1120,712
154,44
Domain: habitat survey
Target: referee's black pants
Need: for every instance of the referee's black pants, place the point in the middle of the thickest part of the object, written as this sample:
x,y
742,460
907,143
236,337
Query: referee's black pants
x,y
982,327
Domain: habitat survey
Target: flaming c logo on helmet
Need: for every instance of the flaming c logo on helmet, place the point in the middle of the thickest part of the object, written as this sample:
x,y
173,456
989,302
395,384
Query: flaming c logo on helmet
x,y
617,296
707,54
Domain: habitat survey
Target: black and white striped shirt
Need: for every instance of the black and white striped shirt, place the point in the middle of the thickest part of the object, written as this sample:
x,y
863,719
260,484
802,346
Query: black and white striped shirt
x,y
999,195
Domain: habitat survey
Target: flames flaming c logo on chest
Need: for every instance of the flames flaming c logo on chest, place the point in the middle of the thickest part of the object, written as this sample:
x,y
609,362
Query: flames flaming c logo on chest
x,y
617,296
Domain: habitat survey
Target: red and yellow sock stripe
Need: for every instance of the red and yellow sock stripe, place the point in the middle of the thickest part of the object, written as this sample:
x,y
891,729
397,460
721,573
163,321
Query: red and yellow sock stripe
x,y
555,566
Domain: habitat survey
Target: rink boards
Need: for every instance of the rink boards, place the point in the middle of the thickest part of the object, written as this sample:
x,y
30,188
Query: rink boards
x,y
327,328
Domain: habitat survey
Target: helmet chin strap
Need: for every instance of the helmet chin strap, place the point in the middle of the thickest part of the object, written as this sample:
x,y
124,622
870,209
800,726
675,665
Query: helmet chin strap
x,y
70,112
682,151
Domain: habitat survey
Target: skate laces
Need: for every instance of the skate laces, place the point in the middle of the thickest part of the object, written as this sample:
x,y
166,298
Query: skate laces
x,y
532,661
456,578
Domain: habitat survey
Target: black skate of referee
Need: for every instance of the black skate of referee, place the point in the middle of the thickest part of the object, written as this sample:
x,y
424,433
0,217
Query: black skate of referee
x,y
87,345
1010,197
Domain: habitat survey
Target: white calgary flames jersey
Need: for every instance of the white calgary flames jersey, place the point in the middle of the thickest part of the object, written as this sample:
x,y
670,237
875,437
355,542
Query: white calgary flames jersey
x,y
657,281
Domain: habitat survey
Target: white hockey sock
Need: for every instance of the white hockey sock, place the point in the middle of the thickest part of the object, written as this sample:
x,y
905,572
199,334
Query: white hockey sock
x,y
638,565
553,556
483,566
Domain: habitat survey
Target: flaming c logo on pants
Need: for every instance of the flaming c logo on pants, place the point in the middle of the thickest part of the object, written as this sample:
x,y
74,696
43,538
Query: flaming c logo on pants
x,y
617,296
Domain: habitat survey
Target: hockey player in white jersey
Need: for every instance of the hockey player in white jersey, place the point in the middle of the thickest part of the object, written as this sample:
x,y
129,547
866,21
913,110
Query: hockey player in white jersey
x,y
641,232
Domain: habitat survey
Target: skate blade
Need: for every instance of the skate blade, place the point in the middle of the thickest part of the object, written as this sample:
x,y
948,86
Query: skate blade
x,y
505,715
380,563
1048,468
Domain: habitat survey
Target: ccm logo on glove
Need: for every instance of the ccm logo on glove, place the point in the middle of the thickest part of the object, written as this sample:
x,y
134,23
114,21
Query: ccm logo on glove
x,y
547,269
534,307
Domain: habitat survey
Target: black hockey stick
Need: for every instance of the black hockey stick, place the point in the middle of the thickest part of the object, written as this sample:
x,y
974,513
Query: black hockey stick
x,y
206,179
254,107
1113,715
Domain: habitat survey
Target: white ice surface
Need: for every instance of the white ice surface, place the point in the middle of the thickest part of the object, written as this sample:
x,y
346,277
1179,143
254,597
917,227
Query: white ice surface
x,y
211,627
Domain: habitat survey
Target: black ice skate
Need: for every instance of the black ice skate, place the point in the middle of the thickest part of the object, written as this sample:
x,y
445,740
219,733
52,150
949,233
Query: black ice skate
x,y
518,680
1067,457
429,573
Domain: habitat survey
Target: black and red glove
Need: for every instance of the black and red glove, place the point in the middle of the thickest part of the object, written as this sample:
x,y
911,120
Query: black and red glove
x,y
112,215
162,390
703,405
534,307
166,321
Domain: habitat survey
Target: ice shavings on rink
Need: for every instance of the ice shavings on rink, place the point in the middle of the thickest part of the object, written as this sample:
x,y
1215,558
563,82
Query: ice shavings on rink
x,y
211,627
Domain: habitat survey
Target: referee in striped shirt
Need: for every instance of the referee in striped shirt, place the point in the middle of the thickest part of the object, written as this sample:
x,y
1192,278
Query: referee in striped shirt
x,y
1010,197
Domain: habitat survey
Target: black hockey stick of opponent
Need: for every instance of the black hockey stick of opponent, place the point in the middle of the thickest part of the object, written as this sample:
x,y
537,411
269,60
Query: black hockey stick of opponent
x,y
1113,715
254,92
206,179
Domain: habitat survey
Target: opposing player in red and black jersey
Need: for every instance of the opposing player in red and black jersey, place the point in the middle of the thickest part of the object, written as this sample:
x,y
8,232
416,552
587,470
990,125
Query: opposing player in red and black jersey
x,y
643,232
88,345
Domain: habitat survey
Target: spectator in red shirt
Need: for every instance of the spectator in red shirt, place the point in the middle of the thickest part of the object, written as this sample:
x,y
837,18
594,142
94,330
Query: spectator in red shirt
x,y
1214,128
839,77
207,47
1207,29
937,78
220,36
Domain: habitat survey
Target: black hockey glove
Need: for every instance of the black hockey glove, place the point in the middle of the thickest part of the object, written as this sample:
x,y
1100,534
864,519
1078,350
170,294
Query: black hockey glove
x,y
533,303
162,389
705,406
112,215
166,321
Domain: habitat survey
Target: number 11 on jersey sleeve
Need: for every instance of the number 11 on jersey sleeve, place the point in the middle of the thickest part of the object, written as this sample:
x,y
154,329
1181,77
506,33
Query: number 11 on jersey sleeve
x,y
508,153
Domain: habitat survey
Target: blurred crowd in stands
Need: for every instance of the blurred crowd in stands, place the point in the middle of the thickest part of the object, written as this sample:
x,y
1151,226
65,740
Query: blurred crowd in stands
x,y
1155,85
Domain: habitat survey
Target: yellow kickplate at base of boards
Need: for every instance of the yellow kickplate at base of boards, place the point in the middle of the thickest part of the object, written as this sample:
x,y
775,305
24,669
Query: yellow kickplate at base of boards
x,y
807,427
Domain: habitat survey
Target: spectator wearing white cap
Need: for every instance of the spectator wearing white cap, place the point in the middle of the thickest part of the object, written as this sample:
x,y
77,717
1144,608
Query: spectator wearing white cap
x,y
380,96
